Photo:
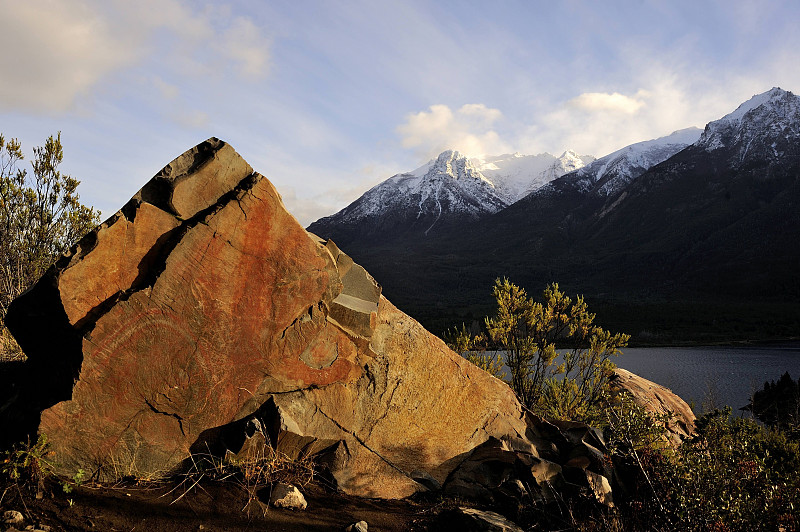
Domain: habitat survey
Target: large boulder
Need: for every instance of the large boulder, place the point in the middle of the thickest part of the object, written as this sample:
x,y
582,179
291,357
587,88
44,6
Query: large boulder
x,y
203,308
657,400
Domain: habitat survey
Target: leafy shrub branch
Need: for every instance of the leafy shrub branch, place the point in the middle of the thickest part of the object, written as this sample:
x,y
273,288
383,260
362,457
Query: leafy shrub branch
x,y
41,216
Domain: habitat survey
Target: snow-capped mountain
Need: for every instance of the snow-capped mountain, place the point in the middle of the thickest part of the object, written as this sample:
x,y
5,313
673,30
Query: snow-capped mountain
x,y
610,174
449,183
682,219
515,175
763,127
446,190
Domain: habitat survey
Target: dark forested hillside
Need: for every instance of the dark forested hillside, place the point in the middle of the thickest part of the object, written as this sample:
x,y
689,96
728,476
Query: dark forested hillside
x,y
704,246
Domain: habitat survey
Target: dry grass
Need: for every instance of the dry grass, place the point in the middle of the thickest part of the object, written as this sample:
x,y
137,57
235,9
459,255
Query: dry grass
x,y
259,468
9,349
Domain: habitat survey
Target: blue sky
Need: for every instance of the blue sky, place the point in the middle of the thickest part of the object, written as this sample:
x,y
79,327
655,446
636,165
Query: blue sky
x,y
329,98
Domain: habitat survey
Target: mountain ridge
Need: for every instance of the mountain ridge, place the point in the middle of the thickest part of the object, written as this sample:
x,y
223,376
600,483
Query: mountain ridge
x,y
448,190
716,227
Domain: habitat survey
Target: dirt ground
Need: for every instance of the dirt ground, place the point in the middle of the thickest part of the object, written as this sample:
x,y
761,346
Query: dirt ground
x,y
209,507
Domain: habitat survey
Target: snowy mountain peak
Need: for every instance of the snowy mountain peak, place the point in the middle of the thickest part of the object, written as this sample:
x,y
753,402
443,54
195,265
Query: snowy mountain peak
x,y
571,161
452,164
448,156
773,94
515,175
609,174
774,114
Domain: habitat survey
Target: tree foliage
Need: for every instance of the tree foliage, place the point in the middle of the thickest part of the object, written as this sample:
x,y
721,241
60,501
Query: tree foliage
x,y
41,215
778,404
558,360
734,475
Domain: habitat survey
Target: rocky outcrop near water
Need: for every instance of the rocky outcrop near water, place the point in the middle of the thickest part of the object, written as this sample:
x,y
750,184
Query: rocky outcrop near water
x,y
202,319
202,307
658,401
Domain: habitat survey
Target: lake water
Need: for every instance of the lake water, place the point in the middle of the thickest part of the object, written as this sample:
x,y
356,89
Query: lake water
x,y
721,375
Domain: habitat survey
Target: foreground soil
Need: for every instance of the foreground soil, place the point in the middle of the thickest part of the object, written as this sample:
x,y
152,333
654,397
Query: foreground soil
x,y
209,506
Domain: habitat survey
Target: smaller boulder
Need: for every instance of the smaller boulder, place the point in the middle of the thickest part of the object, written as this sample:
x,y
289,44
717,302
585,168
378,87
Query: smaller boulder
x,y
600,488
361,526
13,518
488,466
472,520
657,400
287,496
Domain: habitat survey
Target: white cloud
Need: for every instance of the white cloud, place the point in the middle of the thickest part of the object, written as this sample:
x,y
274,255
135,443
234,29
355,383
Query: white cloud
x,y
54,52
599,123
167,90
614,102
57,53
244,43
468,130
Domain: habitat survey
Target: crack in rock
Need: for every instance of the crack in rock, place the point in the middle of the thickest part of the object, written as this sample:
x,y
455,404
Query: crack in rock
x,y
176,416
363,443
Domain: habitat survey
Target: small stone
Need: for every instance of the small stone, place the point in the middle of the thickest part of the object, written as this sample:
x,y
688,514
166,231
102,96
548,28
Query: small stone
x,y
13,517
601,488
287,496
361,526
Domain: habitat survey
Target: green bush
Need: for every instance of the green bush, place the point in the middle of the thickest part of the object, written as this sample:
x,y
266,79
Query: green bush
x,y
734,475
559,361
28,465
474,348
41,216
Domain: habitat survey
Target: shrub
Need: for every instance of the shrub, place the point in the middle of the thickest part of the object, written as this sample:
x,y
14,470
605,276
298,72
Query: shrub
x,y
558,360
474,348
40,218
734,475
28,465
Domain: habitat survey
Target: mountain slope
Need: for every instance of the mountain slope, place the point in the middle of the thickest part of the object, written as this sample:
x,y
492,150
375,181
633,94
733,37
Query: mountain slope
x,y
679,227
450,190
715,224
444,191
516,176
610,174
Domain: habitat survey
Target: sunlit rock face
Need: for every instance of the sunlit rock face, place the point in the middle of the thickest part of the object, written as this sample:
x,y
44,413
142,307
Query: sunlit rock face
x,y
202,305
657,400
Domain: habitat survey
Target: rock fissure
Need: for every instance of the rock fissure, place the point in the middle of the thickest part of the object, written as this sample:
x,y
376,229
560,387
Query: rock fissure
x,y
169,414
297,390
362,442
157,257
387,406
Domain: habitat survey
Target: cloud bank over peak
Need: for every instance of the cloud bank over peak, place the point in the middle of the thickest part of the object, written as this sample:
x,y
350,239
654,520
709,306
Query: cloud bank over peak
x,y
613,102
469,129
